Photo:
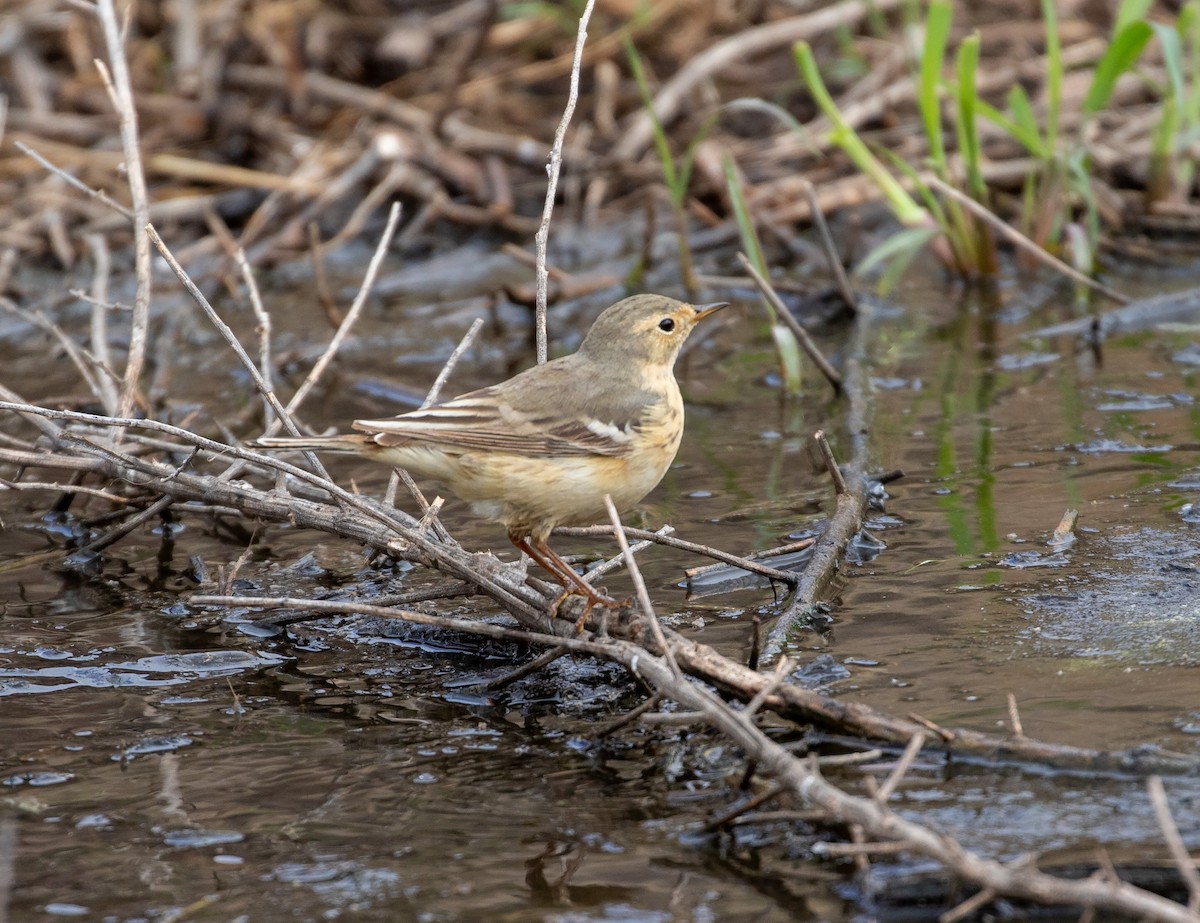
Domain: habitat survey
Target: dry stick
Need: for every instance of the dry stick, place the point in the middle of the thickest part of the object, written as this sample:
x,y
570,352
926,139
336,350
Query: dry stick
x,y
518,599
806,342
114,535
727,817
1021,241
351,316
606,730
80,357
851,506
99,326
97,194
264,329
122,93
463,345
790,548
1014,716
830,248
532,666
967,908
552,171
1178,849
398,476
282,414
736,50
607,567
831,465
903,765
660,538
639,584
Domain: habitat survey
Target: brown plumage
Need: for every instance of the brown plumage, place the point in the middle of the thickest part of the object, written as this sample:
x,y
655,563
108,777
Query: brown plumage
x,y
544,447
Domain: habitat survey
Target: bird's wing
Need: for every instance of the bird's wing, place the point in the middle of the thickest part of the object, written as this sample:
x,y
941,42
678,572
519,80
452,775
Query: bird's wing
x,y
532,415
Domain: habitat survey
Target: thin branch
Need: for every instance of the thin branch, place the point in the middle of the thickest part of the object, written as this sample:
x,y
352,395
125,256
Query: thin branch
x,y
349,320
127,112
781,310
1178,849
1022,242
552,171
464,344
639,584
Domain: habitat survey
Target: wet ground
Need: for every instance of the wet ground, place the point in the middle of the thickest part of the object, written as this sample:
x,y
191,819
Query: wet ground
x,y
157,767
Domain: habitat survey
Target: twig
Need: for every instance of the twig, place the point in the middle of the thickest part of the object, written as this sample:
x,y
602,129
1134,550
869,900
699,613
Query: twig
x,y
464,344
99,327
639,584
830,248
122,92
901,769
552,170
265,366
606,730
1178,849
282,414
851,507
831,465
112,536
1014,716
97,194
725,818
542,660
351,317
781,310
1019,240
660,538
967,908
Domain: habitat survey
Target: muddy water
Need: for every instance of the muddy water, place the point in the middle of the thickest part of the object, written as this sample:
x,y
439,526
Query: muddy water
x,y
157,766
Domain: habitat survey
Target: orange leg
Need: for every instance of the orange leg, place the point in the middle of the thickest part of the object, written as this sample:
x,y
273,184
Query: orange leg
x,y
564,573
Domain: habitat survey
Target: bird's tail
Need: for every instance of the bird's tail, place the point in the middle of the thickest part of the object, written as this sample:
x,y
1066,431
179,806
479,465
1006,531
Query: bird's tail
x,y
351,443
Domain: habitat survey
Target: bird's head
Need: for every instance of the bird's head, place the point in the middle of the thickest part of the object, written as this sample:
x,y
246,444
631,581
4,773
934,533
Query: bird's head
x,y
644,329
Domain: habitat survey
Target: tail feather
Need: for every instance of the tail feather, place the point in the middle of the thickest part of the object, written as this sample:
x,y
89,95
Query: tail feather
x,y
352,443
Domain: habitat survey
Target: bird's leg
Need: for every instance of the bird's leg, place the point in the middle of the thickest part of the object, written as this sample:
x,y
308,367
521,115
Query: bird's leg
x,y
572,583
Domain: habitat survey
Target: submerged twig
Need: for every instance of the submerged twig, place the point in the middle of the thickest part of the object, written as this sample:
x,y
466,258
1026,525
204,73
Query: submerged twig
x,y
781,310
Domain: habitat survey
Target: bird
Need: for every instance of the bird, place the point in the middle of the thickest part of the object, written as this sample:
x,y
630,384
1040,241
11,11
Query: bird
x,y
543,448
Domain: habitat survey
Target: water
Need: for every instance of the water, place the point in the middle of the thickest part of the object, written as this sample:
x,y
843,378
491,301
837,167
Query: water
x,y
162,765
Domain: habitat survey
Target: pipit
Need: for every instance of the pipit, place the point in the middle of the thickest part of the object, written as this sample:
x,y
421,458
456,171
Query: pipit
x,y
543,448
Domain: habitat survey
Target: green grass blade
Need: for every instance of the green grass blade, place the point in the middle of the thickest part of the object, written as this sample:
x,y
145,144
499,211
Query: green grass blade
x,y
1130,11
966,64
1120,57
902,204
1018,128
1054,75
937,34
661,144
908,241
746,230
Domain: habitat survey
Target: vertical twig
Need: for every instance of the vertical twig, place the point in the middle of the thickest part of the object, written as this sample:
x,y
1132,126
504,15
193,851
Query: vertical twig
x,y
552,170
1170,831
830,248
101,268
122,94
639,586
264,329
348,321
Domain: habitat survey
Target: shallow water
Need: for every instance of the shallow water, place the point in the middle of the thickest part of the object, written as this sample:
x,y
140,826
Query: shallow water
x,y
158,767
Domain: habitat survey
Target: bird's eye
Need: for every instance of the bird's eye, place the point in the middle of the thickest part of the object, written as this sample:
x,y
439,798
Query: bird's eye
x,y
666,325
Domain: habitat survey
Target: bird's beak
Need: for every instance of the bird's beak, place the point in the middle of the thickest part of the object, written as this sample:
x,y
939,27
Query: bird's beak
x,y
703,310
